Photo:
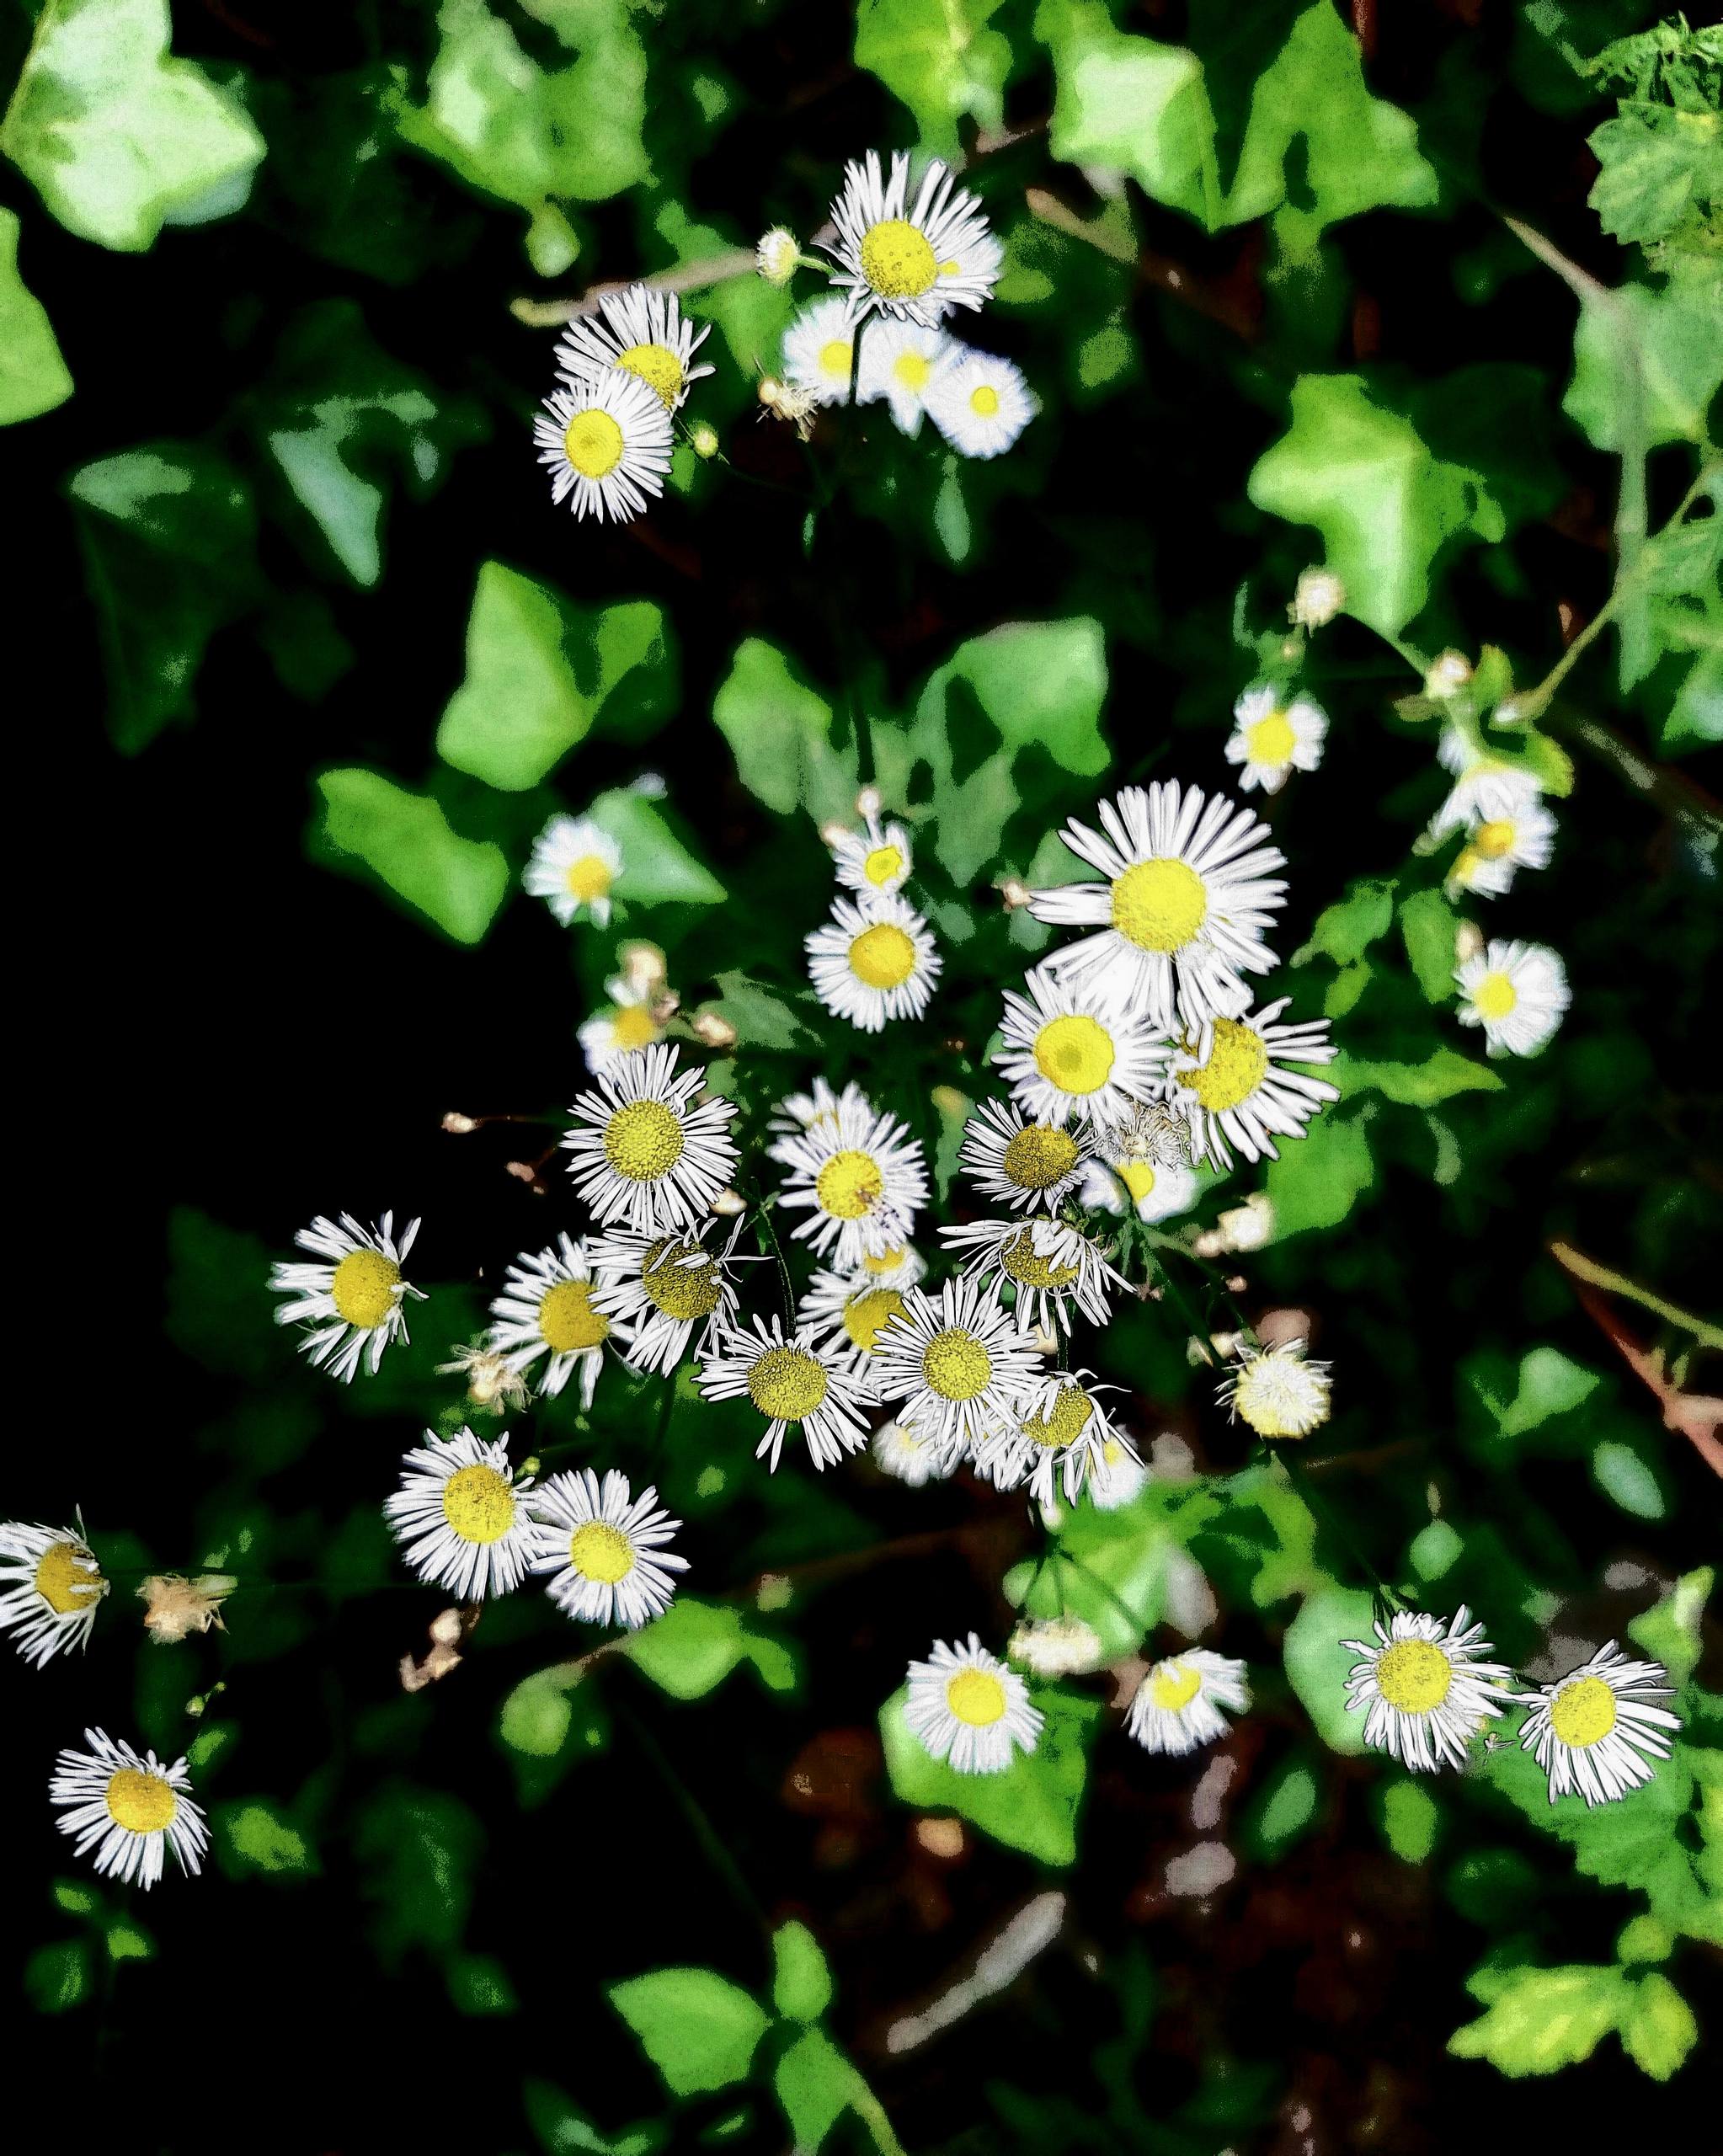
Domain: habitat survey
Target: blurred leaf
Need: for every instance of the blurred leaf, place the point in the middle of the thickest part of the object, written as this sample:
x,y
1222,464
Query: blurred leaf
x,y
695,1646
1646,365
253,1837
217,1311
940,59
779,732
416,1849
58,1978
548,1724
763,1020
698,2029
404,838
565,2131
1411,1817
33,376
1429,928
478,1983
1033,1805
1626,1474
1318,1663
1345,931
1442,1074
1670,1630
814,2082
801,1983
659,867
1541,2019
116,137
1550,1383
1283,1809
1319,1178
1658,2030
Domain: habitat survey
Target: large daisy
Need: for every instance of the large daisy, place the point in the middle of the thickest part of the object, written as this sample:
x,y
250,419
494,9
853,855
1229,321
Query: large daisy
x,y
789,1381
603,1550
913,260
461,1516
607,443
900,362
546,1308
1272,739
352,1300
1071,1048
859,1177
1031,1167
873,962
1425,1691
1517,992
658,1290
641,1152
1190,888
980,403
957,1363
1179,1705
1053,1269
129,1808
574,867
637,332
51,1587
1596,1733
967,1707
1236,1089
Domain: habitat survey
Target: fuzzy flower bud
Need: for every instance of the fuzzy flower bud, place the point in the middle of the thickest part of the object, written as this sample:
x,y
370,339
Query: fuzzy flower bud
x,y
1056,1647
778,255
1449,672
715,1031
703,440
1317,598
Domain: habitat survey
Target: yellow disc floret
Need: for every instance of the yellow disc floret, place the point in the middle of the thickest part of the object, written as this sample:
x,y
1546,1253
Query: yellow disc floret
x,y
599,1551
594,443
657,366
1039,1156
1495,996
1075,1054
1237,1064
787,1384
850,1185
1271,740
1493,839
1414,1676
976,1697
568,1322
478,1504
364,1289
882,865
1584,1713
897,260
1024,1264
142,1803
588,877
631,1026
864,1314
1160,905
882,957
67,1577
911,371
644,1141
956,1364
983,401
1174,1685
835,358
1065,1424
1138,1178
680,1279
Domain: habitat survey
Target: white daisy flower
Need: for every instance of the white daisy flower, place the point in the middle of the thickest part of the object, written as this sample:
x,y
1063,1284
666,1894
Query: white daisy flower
x,y
900,1268
607,444
1179,1704
51,1587
1028,1166
1054,1269
860,1177
1236,1089
129,1808
629,1024
1273,740
547,1307
1190,886
1064,1432
957,1363
605,1554
1277,1392
966,1707
459,1515
1141,1157
641,1152
1056,1647
1517,992
909,1456
1116,1476
980,403
799,1112
637,332
913,261
1071,1048
1477,774
847,1312
794,1381
352,1302
819,351
873,962
900,362
1512,830
877,858
573,867
1426,1692
657,1289
1596,1733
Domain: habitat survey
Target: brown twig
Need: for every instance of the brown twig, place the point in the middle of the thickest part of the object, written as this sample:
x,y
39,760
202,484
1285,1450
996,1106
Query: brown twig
x,y
1693,1416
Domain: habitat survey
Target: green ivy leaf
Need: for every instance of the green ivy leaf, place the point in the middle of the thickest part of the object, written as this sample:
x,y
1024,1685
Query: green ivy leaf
x,y
1542,2020
1442,1074
1411,1818
548,1722
1033,1805
33,378
1345,931
1318,1663
1658,2029
698,2029
252,1835
1656,167
1429,928
801,1983
1665,396
691,1649
814,2082
116,137
779,732
659,867
940,59
405,840
1321,1176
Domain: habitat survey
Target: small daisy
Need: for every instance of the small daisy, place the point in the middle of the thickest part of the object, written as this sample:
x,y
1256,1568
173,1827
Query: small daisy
x,y
353,1301
129,1808
908,1456
1116,1476
847,1312
1426,1692
980,403
459,1515
877,858
607,443
799,1112
901,362
1517,992
1178,1704
573,866
966,1707
547,1307
1277,1392
1273,740
1238,1091
914,261
604,1555
793,1381
1054,1269
860,1177
1063,1430
657,1289
1477,774
819,351
51,1587
778,256
628,1025
641,1152
1070,1048
1056,1647
637,332
873,962
958,1364
1512,830
1141,1157
1596,1733
1190,888
1028,1166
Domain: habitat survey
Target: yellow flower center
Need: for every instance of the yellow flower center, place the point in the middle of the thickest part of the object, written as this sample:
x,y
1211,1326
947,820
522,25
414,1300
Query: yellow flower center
x,y
631,1026
882,865
1584,1713
363,1289
1495,996
866,1313
883,956
1160,905
983,402
1065,1424
67,1578
1271,740
1025,1265
787,1384
897,260
1414,1676
850,1185
1174,1685
478,1504
142,1803
1237,1064
680,1291
588,877
976,1697
911,371
956,1364
644,1141
1038,1157
1494,839
593,443
599,1551
1075,1054
568,1322
887,1262
1138,1178
835,358
658,367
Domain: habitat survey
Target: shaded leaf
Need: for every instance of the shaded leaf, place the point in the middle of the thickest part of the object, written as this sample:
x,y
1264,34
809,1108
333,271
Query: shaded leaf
x,y
1033,1805
698,2029
405,840
33,376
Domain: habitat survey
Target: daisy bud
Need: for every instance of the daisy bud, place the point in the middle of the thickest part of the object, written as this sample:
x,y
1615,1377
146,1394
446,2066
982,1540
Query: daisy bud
x,y
778,255
715,1031
1277,1393
1014,893
643,968
728,1203
833,834
869,804
1317,598
458,1125
703,440
175,1606
1449,671
1056,1647
1468,941
491,1383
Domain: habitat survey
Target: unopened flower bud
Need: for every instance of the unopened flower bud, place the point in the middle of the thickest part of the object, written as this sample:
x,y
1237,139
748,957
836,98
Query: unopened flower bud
x,y
777,255
833,833
703,440
715,1031
1449,671
869,802
458,1125
643,968
1317,598
175,1606
1468,941
1014,893
728,1203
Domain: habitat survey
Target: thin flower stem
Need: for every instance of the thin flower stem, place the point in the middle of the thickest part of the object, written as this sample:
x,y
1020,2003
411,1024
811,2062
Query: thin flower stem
x,y
1134,1618
763,1210
1299,1481
1600,1276
710,1842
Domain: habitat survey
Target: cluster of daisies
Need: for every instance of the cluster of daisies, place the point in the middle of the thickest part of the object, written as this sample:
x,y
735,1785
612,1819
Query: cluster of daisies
x,y
900,263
